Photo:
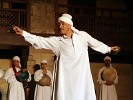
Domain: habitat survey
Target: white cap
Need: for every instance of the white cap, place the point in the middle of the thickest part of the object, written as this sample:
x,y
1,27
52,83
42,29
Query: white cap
x,y
16,58
107,57
66,18
44,61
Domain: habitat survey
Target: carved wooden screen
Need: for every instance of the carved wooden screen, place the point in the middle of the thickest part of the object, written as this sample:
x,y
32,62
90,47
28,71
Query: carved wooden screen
x,y
12,12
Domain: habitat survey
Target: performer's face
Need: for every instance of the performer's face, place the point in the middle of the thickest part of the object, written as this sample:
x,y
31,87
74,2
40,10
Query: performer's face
x,y
64,27
16,63
107,62
43,65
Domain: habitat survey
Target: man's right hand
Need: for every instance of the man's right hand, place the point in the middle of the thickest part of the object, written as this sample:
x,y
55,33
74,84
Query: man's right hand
x,y
44,72
18,30
109,83
17,74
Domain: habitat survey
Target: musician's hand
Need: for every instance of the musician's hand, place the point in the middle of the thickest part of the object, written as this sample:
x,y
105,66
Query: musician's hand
x,y
44,72
17,74
18,30
25,69
109,83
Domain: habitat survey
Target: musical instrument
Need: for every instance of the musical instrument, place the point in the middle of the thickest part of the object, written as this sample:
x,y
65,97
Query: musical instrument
x,y
109,74
45,80
22,77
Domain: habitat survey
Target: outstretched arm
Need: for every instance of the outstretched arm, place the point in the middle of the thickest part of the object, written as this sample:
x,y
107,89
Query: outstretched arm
x,y
100,46
115,50
39,42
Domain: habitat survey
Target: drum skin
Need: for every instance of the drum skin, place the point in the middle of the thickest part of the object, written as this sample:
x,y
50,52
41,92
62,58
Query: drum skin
x,y
109,74
44,81
23,76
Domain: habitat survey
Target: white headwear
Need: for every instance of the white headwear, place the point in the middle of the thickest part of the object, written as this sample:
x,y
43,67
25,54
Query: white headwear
x,y
44,61
68,19
107,57
17,58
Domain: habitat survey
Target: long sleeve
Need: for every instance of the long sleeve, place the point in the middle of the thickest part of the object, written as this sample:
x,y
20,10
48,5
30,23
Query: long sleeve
x,y
116,79
29,79
39,42
38,75
9,76
50,75
100,81
96,44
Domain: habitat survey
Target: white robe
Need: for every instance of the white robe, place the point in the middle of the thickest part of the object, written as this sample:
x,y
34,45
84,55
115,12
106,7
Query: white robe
x,y
42,92
107,92
16,90
72,75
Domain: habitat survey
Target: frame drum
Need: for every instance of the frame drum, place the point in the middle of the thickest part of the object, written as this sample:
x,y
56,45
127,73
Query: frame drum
x,y
44,80
24,75
109,74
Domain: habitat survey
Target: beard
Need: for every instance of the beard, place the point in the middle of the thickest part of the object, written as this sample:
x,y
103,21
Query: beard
x,y
107,64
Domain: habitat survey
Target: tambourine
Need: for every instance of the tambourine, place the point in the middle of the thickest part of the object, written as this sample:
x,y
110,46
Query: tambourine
x,y
22,77
44,81
109,74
